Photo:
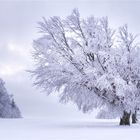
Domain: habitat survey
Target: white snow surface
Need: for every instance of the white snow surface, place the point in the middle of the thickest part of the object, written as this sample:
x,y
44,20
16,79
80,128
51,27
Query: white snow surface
x,y
66,129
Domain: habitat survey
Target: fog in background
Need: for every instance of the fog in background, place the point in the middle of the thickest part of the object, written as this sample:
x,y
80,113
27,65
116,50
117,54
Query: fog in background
x,y
18,29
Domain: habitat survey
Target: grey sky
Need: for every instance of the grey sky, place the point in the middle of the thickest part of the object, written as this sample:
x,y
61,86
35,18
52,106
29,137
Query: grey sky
x,y
18,28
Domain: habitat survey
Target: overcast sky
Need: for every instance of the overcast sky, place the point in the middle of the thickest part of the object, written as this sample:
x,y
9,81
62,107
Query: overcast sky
x,y
18,28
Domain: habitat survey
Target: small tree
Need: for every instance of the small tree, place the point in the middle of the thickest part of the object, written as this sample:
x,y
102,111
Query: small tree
x,y
8,108
79,57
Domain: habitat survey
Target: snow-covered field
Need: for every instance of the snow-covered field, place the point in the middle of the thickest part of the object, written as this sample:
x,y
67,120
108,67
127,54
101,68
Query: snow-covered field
x,y
65,129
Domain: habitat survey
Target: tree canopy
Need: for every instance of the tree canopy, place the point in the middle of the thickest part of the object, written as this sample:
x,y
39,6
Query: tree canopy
x,y
91,64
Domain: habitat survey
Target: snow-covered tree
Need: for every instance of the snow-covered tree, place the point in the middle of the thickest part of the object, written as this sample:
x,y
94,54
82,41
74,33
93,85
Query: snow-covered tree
x,y
8,108
83,59
129,69
127,66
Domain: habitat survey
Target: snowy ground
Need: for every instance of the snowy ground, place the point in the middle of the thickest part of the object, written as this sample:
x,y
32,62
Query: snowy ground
x,y
46,129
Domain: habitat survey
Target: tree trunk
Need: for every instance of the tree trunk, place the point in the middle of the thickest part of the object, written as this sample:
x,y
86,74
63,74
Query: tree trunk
x,y
134,117
125,119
